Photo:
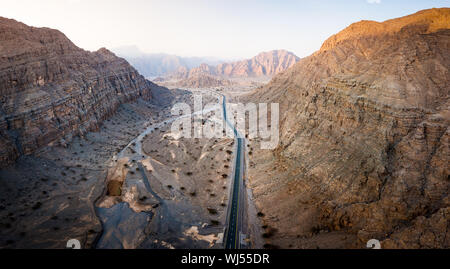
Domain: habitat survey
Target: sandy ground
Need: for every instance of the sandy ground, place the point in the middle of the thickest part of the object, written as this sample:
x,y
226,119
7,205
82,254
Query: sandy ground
x,y
182,182
131,184
48,198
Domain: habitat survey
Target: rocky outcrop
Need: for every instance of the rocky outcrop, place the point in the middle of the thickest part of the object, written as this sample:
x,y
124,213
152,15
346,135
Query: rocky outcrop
x,y
51,90
364,138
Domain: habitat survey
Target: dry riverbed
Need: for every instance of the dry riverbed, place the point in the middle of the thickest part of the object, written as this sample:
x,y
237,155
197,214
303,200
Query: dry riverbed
x,y
118,188
177,188
48,198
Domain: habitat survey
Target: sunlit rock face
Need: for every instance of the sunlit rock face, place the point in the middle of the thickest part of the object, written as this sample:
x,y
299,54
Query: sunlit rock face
x,y
364,138
263,65
51,90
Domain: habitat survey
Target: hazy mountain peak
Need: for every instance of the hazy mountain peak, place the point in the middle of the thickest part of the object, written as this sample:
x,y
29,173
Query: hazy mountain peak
x,y
159,64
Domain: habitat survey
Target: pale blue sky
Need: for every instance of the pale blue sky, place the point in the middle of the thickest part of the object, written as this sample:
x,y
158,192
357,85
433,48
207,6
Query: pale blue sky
x,y
225,29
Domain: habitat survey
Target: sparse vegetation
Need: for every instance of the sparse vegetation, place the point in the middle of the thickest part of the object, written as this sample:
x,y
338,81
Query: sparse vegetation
x,y
269,233
36,206
215,222
212,211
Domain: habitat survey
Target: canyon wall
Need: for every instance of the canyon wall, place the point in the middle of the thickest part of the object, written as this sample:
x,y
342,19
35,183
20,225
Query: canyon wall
x,y
51,90
364,149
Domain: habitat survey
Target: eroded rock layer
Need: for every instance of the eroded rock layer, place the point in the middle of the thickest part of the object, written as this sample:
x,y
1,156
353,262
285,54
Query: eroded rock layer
x,y
364,149
51,90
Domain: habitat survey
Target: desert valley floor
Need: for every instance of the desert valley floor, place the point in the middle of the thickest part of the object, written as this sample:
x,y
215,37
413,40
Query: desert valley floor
x,y
130,184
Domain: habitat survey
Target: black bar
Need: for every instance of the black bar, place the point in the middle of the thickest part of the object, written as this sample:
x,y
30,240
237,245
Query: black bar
x,y
276,258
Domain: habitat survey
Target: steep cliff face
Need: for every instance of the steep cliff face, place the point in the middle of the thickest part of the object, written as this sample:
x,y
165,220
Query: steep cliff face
x,y
51,90
364,139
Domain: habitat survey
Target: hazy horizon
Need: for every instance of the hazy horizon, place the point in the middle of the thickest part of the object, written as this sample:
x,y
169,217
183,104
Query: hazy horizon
x,y
228,30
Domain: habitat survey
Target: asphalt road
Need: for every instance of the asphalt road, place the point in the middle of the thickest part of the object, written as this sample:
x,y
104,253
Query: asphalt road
x,y
236,206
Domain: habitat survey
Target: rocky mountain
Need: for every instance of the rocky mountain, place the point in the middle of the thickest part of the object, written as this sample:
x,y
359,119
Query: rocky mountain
x,y
160,64
51,90
265,64
364,149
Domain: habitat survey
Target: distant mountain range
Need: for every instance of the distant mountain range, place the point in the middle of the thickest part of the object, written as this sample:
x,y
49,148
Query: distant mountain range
x,y
153,65
265,64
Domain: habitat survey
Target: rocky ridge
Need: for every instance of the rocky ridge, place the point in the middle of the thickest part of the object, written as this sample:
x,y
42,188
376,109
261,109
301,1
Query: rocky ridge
x,y
52,90
364,148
